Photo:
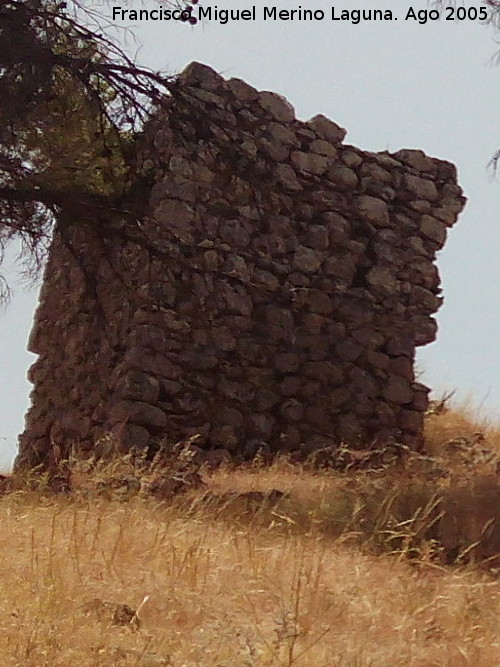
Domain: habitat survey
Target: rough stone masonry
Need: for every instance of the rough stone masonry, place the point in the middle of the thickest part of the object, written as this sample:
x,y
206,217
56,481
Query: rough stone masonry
x,y
286,281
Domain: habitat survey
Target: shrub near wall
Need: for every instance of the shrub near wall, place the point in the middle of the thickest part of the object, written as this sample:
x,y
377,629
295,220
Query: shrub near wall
x,y
287,280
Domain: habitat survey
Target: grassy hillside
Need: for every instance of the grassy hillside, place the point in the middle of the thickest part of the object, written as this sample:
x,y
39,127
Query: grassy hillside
x,y
389,565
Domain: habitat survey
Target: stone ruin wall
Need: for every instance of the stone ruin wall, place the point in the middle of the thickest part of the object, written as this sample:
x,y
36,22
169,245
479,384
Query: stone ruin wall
x,y
290,282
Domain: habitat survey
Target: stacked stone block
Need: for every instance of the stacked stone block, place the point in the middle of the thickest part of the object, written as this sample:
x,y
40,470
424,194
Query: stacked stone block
x,y
282,282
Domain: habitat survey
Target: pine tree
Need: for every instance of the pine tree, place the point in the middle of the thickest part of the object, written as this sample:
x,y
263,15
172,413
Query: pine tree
x,y
71,104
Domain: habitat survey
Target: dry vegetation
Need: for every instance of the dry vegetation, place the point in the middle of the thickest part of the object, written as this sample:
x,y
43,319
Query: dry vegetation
x,y
360,568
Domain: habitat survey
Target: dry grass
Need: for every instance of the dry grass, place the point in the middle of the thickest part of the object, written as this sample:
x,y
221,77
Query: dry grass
x,y
457,423
344,570
223,596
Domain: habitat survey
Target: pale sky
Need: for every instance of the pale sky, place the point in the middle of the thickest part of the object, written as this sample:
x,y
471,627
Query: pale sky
x,y
391,84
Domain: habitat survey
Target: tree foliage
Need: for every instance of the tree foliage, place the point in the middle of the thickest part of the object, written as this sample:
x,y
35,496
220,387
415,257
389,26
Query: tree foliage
x,y
71,103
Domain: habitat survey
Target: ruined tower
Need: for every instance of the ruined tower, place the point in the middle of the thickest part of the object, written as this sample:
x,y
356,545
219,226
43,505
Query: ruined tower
x,y
280,285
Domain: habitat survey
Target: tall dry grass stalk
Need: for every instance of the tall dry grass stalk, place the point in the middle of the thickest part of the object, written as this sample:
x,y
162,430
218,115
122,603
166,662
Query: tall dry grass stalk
x,y
223,596
337,570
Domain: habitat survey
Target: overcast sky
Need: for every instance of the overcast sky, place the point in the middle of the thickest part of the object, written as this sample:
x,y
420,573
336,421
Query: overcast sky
x,y
391,84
